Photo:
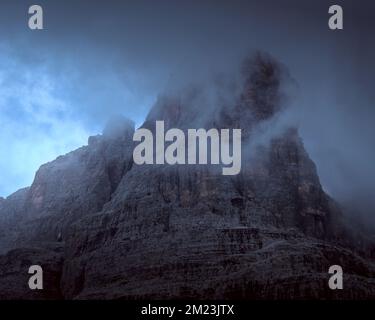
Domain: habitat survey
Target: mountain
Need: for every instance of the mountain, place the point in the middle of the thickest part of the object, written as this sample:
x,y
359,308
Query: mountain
x,y
103,227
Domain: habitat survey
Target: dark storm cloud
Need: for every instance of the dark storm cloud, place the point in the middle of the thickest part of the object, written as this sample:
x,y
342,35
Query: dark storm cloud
x,y
96,58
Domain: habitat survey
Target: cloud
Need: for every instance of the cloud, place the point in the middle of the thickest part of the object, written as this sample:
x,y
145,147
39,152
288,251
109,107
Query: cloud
x,y
36,126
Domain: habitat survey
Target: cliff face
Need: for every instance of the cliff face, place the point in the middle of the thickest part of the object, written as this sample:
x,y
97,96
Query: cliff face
x,y
68,188
103,227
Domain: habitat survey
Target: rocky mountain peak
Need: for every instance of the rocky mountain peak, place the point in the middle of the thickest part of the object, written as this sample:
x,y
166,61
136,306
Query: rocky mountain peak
x,y
104,227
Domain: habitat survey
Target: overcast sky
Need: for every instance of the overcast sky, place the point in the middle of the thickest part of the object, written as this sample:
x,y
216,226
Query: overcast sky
x,y
98,58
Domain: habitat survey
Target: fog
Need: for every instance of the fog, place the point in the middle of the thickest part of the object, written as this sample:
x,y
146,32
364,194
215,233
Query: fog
x,y
99,58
